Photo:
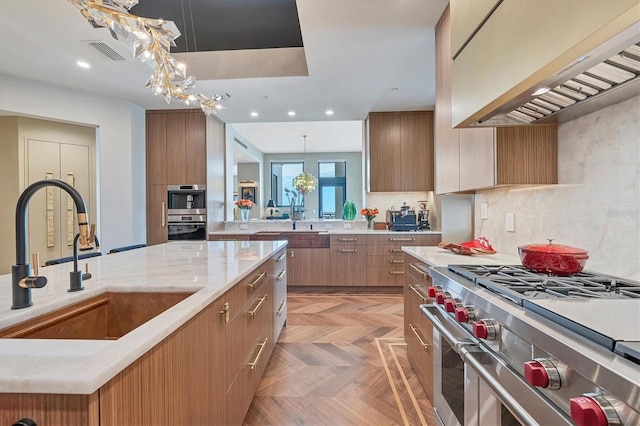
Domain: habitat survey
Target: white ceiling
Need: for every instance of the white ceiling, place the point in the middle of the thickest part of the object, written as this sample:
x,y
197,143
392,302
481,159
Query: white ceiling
x,y
362,56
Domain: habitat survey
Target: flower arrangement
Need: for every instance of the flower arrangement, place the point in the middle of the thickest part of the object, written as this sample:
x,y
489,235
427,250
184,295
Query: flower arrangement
x,y
244,204
369,213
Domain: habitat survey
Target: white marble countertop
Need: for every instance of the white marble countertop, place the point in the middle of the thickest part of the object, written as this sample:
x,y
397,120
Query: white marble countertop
x,y
82,366
436,256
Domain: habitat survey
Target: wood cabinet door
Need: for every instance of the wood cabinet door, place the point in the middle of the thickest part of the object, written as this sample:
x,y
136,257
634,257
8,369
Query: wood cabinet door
x,y
308,267
416,135
176,161
349,265
156,148
446,144
385,157
477,158
195,148
157,228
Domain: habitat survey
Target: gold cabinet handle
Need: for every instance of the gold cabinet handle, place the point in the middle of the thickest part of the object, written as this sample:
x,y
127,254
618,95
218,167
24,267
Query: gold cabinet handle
x,y
252,365
281,308
418,270
225,312
420,295
254,311
396,262
402,239
282,257
257,280
162,219
396,272
348,250
281,275
424,345
349,239
395,250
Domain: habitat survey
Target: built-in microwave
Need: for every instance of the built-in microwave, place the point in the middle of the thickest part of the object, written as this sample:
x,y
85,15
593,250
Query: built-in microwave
x,y
186,200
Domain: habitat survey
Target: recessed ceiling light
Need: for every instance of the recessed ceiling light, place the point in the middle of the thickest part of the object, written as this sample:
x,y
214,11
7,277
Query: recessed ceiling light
x,y
83,64
291,113
540,91
254,114
329,112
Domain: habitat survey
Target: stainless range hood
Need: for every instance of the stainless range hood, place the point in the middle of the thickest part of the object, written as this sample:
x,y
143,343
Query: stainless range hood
x,y
607,75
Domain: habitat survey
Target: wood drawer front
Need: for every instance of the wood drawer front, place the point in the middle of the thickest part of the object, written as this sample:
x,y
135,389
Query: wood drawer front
x,y
229,237
399,239
418,271
384,249
385,276
348,239
391,261
279,262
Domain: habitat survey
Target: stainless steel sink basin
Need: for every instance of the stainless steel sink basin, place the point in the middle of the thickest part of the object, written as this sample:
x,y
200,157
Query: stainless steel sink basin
x,y
107,316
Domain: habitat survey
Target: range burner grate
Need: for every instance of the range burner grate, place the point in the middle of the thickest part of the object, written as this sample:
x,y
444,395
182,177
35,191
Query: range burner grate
x,y
516,283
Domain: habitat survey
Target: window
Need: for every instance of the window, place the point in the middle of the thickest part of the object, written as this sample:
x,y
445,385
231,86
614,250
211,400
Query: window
x,y
332,188
282,174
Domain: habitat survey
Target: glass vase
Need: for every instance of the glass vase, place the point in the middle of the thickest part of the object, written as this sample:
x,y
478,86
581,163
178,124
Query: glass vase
x,y
369,223
349,210
244,214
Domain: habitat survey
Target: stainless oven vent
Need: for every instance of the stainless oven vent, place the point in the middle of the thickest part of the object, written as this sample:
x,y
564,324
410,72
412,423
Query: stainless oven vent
x,y
619,70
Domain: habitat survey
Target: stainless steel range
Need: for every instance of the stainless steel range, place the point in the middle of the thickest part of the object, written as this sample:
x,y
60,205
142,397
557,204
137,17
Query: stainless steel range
x,y
551,350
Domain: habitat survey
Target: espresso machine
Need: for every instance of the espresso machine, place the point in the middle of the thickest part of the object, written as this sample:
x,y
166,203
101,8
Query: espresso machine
x,y
402,220
423,216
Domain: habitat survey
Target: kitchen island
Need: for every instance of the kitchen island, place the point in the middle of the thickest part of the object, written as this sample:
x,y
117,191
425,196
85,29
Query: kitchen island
x,y
134,378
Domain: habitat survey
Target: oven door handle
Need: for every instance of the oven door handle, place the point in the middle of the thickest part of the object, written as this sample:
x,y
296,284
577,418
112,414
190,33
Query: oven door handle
x,y
449,329
508,386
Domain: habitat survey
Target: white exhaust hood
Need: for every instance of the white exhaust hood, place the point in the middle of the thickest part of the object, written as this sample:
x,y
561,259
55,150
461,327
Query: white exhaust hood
x,y
607,75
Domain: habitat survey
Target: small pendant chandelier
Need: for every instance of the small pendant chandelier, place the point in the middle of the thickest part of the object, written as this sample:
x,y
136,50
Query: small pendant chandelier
x,y
305,182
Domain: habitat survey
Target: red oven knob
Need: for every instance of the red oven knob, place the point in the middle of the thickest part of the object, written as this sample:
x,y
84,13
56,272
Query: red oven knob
x,y
431,291
485,329
542,372
465,314
592,409
441,296
450,305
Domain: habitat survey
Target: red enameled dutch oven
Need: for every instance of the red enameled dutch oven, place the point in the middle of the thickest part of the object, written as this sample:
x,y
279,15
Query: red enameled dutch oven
x,y
553,258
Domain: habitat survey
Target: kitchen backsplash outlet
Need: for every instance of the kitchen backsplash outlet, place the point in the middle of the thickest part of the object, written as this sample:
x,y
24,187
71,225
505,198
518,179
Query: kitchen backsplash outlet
x,y
595,206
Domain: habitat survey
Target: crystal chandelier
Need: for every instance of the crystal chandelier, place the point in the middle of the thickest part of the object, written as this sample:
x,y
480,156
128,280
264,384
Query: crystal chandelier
x,y
305,182
151,38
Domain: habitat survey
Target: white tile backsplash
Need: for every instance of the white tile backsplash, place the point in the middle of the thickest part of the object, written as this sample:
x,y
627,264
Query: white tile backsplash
x,y
595,206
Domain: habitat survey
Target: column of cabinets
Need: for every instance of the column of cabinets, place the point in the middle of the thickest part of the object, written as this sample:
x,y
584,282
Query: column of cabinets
x,y
470,159
400,151
418,331
175,154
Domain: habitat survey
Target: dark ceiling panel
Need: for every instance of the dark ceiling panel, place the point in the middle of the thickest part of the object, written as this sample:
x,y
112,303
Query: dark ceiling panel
x,y
213,25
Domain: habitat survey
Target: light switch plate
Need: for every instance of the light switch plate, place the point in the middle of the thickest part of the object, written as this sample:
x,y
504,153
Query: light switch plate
x,y
347,226
244,226
328,226
484,211
510,223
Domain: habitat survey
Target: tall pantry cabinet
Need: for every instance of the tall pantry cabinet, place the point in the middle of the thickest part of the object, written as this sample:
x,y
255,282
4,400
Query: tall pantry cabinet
x,y
175,155
32,150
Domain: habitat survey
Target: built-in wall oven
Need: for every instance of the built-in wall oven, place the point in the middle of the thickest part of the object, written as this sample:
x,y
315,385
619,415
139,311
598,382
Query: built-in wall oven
x,y
187,213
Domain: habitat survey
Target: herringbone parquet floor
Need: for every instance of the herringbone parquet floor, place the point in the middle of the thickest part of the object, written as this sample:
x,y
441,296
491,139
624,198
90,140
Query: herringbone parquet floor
x,y
341,360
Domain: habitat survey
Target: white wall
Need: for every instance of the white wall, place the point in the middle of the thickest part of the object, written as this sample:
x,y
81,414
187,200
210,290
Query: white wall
x,y
120,152
595,206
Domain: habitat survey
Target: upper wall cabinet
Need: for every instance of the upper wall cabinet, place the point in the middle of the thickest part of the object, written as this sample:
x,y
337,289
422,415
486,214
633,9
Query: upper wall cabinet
x,y
471,159
466,17
522,44
400,152
176,147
